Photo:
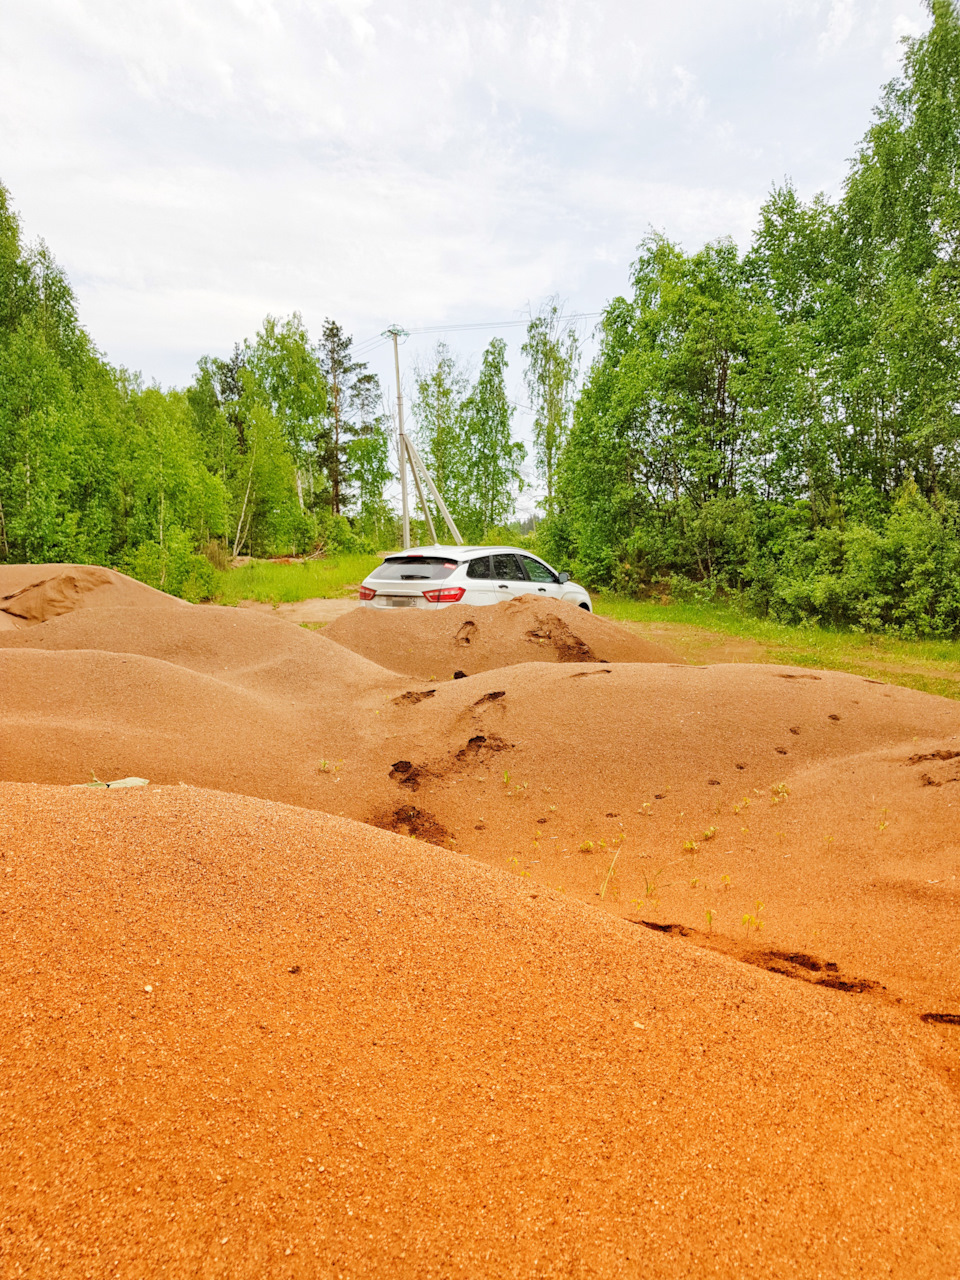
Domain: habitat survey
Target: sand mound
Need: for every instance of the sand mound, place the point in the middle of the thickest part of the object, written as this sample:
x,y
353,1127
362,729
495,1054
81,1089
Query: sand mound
x,y
244,1040
676,795
253,650
689,796
31,594
435,644
212,696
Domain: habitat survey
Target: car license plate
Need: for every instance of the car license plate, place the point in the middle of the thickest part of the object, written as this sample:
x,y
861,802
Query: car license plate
x,y
401,602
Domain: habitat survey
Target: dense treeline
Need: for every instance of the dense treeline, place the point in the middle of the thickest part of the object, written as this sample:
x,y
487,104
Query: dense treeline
x,y
281,449
785,423
267,452
782,425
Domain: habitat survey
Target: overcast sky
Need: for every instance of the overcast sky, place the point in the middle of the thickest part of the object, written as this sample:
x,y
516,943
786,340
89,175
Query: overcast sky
x,y
197,164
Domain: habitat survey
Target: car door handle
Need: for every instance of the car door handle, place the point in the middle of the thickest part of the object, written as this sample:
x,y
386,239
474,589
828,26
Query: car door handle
x,y
542,590
504,587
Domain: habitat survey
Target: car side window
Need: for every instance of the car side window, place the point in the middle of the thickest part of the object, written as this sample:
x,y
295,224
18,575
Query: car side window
x,y
506,567
536,571
479,568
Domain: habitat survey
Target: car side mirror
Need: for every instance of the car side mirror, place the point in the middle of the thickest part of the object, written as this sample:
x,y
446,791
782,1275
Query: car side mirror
x,y
564,577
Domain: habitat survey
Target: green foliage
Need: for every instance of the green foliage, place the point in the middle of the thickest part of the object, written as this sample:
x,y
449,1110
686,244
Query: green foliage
x,y
552,354
353,415
466,439
440,432
495,457
173,567
784,426
96,468
903,577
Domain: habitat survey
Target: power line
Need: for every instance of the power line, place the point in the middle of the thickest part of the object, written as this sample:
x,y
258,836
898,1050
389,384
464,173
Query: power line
x,y
368,345
500,324
371,344
459,328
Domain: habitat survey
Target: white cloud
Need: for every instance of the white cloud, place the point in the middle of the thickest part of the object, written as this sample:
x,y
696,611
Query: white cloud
x,y
198,163
840,23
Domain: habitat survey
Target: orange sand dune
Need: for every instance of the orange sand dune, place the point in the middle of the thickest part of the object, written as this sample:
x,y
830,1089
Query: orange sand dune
x,y
216,697
435,644
31,594
687,796
241,1039
682,796
239,646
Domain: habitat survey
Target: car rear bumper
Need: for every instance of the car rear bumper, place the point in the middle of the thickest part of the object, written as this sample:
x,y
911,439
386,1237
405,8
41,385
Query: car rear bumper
x,y
397,600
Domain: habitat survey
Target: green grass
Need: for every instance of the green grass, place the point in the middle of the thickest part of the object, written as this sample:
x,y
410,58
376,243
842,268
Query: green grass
x,y
932,666
330,579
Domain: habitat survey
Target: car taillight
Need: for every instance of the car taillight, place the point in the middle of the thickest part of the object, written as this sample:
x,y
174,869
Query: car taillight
x,y
367,593
445,595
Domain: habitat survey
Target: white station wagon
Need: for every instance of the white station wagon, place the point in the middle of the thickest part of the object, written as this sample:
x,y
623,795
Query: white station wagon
x,y
433,577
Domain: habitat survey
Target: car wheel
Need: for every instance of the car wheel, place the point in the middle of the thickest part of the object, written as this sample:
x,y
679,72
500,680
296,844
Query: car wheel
x,y
584,605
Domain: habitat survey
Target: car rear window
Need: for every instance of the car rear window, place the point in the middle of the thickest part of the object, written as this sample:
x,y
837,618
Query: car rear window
x,y
415,568
479,568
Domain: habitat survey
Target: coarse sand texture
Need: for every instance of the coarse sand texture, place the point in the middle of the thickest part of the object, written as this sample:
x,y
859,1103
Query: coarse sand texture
x,y
240,1039
489,942
30,594
435,644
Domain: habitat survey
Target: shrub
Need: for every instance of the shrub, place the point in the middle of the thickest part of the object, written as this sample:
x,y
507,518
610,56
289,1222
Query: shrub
x,y
173,567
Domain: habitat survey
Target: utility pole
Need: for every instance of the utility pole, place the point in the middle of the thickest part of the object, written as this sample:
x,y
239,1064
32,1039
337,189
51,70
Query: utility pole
x,y
396,332
408,454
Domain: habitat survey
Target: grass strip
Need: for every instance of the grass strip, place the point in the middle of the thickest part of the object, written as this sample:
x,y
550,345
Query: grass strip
x,y
931,666
270,583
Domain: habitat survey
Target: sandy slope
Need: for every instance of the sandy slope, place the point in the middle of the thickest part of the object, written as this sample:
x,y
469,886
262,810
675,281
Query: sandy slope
x,y
714,788
804,822
434,644
31,594
218,697
241,1040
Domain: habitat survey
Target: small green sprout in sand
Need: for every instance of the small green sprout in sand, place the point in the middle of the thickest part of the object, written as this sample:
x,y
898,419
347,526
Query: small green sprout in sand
x,y
709,914
587,846
725,881
752,920
695,882
883,823
651,888
779,792
709,833
690,846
